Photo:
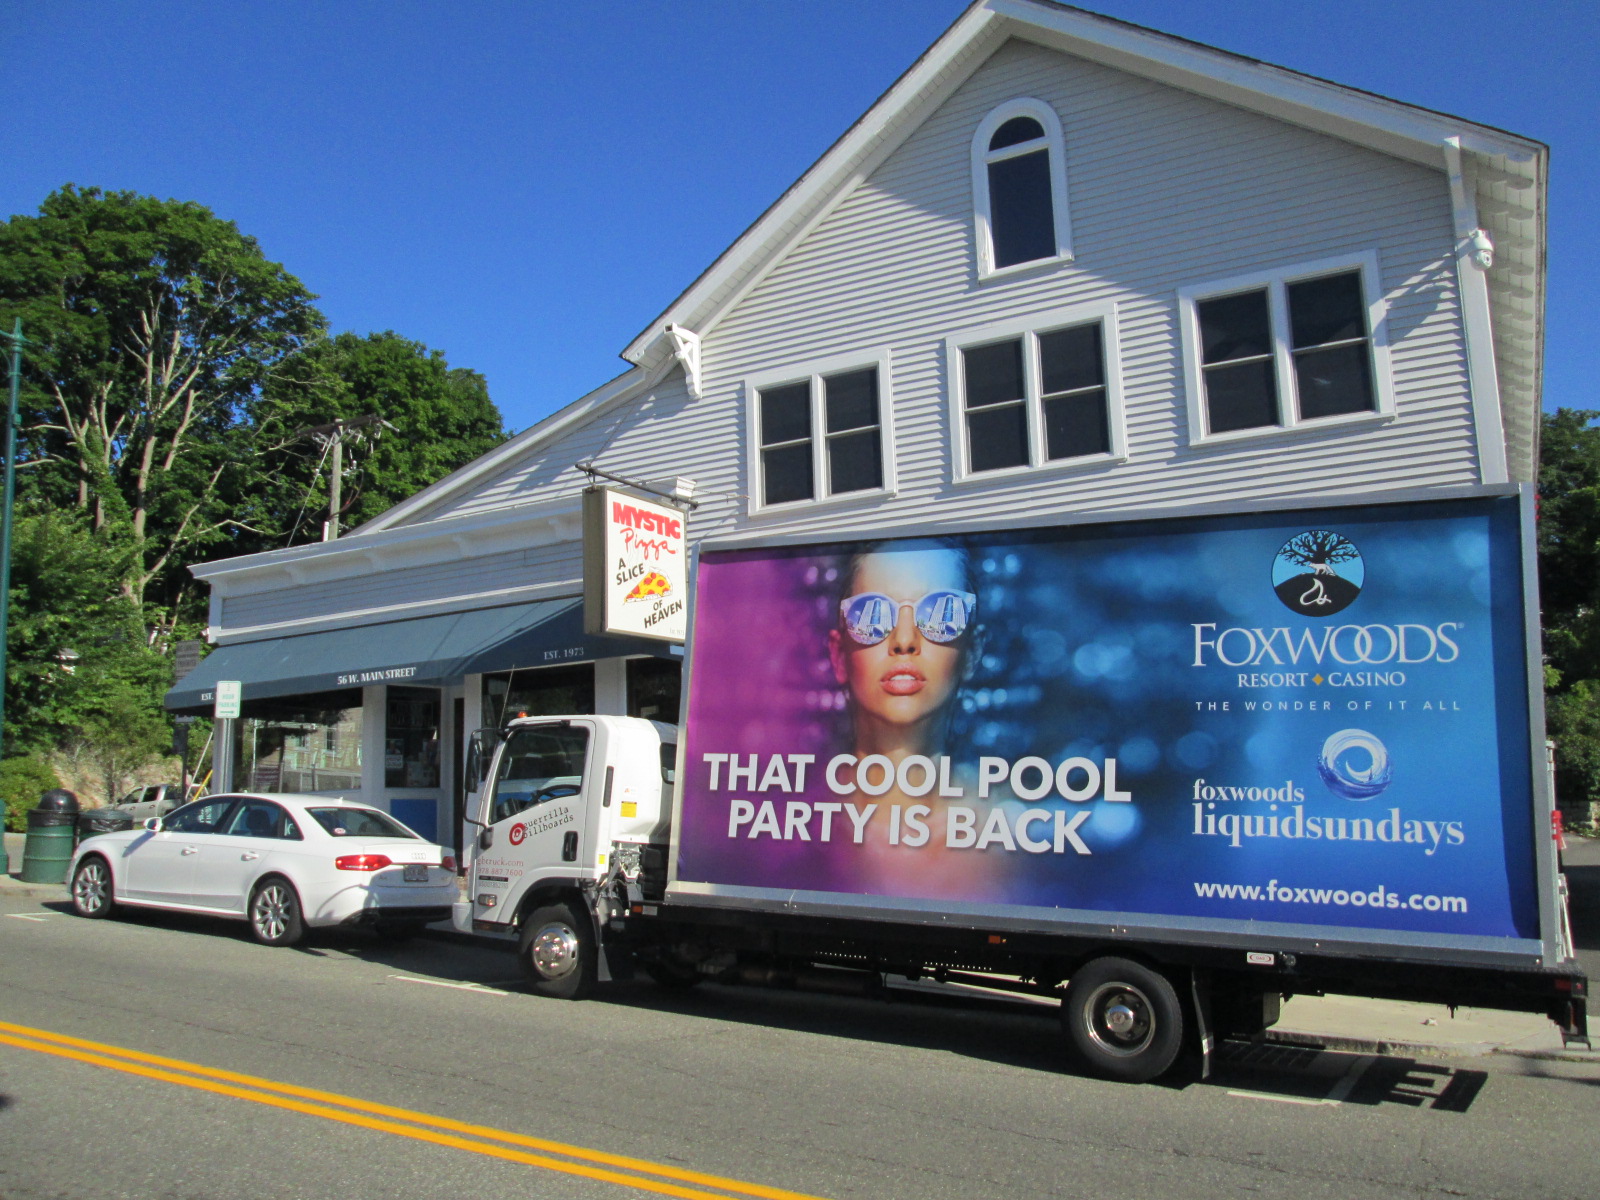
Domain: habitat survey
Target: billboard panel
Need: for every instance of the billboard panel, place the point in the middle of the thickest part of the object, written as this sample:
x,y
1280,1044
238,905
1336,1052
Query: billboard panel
x,y
1311,718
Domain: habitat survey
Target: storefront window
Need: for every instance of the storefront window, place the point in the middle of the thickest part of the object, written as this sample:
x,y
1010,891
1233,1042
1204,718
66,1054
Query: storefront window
x,y
300,744
654,688
543,692
411,738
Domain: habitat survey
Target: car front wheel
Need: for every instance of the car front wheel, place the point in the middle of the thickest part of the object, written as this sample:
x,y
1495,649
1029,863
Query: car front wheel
x,y
275,913
91,889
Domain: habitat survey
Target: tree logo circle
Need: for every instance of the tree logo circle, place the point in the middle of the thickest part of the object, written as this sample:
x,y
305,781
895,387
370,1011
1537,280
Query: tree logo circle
x,y
1318,573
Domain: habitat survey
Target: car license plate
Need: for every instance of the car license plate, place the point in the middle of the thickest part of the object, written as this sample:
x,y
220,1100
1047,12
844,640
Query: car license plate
x,y
416,874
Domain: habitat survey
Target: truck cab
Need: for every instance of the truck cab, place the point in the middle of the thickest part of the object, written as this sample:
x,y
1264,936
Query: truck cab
x,y
564,810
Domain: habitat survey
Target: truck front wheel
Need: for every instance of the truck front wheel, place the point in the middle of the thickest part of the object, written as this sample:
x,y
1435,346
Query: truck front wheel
x,y
558,951
1123,1020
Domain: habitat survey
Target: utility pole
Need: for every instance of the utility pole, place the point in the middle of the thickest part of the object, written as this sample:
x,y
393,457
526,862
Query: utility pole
x,y
17,340
335,431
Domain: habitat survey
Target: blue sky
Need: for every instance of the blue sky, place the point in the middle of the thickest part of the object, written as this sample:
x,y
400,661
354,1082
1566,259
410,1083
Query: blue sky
x,y
526,185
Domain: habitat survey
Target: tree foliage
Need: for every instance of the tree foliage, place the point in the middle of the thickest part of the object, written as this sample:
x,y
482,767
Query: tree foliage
x,y
1569,587
153,326
436,419
169,365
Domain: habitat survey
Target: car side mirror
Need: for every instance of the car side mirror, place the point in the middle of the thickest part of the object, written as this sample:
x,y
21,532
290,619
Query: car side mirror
x,y
153,824
486,838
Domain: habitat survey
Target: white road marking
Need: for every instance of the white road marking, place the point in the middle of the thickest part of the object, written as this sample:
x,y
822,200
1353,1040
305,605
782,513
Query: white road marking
x,y
1336,1094
1351,1078
30,916
460,987
1314,1101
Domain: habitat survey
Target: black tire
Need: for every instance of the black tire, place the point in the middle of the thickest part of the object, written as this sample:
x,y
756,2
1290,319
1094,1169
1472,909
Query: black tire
x,y
1123,1020
671,974
92,893
558,952
398,931
274,912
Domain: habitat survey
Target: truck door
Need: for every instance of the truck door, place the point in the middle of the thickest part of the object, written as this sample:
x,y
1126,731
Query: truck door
x,y
535,809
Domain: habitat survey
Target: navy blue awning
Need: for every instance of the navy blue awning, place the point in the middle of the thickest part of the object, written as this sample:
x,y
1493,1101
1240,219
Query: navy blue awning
x,y
421,650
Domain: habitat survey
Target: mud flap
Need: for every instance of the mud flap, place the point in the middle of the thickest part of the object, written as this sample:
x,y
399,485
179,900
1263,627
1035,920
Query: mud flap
x,y
1200,1037
614,963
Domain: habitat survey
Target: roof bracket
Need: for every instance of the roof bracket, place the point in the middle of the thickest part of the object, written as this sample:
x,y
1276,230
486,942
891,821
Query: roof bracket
x,y
686,349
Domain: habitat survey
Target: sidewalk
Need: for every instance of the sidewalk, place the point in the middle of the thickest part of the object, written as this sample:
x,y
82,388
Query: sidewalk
x,y
1346,1023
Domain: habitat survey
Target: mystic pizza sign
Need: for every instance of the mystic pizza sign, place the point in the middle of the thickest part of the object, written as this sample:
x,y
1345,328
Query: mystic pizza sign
x,y
635,571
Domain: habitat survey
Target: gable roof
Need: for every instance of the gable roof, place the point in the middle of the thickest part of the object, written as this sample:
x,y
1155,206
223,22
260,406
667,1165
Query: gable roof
x,y
1503,178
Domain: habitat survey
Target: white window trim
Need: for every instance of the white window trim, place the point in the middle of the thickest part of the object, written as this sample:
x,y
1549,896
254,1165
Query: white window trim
x,y
812,372
1025,106
1276,282
1029,329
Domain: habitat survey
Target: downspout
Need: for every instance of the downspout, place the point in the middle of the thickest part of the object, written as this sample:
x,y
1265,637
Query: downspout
x,y
1474,255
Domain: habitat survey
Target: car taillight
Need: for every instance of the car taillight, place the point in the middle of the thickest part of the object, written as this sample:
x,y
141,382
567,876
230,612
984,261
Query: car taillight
x,y
448,862
362,862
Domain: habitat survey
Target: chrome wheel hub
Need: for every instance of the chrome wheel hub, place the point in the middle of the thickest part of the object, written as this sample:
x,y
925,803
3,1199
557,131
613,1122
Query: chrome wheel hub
x,y
554,951
1119,1019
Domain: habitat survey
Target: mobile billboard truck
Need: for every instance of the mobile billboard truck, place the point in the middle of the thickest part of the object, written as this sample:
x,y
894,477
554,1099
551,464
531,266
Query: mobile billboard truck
x,y
1167,770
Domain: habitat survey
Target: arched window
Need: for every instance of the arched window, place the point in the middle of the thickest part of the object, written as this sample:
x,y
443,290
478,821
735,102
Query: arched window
x,y
1019,187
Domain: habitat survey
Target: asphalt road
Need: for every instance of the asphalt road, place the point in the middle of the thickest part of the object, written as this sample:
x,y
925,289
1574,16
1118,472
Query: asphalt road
x,y
917,1099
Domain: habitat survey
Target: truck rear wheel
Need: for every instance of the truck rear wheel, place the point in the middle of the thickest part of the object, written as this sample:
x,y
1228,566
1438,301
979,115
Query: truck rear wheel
x,y
1123,1020
558,952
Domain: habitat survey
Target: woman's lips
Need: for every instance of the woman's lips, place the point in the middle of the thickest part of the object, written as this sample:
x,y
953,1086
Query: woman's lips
x,y
904,681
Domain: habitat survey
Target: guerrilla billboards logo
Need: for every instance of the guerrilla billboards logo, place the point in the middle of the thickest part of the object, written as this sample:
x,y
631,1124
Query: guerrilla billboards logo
x,y
1318,573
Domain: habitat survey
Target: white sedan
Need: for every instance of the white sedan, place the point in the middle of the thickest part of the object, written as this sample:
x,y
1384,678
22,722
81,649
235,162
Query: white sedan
x,y
282,863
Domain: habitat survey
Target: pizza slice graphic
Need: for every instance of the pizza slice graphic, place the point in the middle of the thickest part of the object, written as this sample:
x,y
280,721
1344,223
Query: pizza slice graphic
x,y
653,584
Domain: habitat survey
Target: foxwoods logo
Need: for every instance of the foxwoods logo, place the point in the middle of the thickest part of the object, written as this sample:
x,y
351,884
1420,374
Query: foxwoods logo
x,y
1318,573
1355,764
1348,645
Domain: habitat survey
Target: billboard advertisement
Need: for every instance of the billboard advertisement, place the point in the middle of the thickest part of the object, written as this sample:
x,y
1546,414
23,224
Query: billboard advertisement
x,y
1314,718
635,566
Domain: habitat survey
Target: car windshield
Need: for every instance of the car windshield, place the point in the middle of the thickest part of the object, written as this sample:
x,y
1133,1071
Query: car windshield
x,y
359,822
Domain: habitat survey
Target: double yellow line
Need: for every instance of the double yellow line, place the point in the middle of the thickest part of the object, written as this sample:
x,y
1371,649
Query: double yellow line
x,y
423,1127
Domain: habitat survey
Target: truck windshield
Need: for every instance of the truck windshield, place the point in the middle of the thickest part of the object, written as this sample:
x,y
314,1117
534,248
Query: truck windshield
x,y
539,764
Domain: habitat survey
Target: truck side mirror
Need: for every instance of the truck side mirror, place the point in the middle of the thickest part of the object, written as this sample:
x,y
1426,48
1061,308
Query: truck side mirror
x,y
480,751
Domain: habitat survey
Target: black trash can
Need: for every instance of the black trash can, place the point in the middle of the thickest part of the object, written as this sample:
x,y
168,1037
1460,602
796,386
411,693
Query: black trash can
x,y
102,820
51,829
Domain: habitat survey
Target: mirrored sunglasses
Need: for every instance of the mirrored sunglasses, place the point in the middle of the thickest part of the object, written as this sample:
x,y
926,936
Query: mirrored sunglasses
x,y
942,615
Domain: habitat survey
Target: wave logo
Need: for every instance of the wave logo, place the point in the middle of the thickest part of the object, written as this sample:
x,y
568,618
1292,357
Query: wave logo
x,y
1318,573
1355,764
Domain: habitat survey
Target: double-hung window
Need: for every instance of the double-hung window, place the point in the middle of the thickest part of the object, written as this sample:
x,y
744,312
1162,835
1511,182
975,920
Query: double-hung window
x,y
1286,349
1019,188
1041,392
820,434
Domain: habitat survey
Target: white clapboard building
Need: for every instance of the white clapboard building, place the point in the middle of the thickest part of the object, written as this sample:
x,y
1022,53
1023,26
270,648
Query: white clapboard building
x,y
1065,266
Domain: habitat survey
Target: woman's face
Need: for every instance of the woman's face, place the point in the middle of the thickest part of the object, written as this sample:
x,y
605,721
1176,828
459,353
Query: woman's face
x,y
906,678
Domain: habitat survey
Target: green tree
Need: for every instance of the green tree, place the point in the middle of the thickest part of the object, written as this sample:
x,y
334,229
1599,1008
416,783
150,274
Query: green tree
x,y
436,419
153,327
1569,587
69,617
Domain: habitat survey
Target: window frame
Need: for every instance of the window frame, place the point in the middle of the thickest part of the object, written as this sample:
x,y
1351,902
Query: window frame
x,y
982,156
1276,282
812,374
1029,330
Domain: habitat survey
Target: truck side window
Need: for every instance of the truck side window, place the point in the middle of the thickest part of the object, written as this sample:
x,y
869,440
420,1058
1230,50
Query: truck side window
x,y
538,765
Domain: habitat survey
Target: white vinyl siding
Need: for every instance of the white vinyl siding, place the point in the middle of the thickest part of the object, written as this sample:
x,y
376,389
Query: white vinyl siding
x,y
1168,191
